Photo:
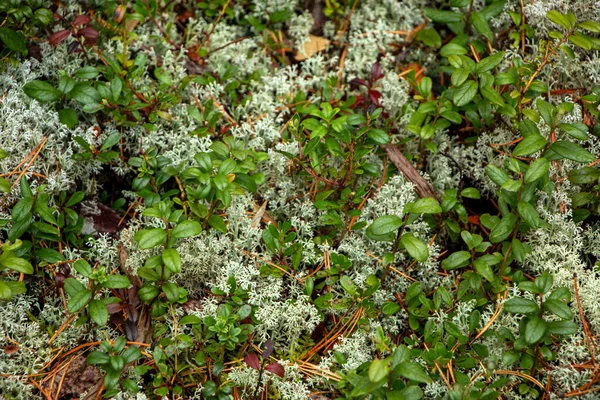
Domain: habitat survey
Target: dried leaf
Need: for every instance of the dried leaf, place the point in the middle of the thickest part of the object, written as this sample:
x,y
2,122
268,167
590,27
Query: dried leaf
x,y
311,46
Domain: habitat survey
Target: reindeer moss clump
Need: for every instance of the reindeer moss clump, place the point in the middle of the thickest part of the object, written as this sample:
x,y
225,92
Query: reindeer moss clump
x,y
300,200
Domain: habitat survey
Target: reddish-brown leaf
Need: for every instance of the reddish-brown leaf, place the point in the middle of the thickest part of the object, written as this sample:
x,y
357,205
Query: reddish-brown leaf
x,y
276,368
59,36
90,34
11,349
81,20
252,360
114,308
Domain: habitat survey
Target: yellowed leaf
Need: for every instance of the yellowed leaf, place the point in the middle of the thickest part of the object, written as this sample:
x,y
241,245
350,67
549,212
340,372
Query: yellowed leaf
x,y
311,46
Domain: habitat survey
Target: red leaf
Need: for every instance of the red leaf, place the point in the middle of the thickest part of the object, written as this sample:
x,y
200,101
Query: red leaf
x,y
81,20
276,368
376,72
375,95
252,360
90,34
358,82
59,36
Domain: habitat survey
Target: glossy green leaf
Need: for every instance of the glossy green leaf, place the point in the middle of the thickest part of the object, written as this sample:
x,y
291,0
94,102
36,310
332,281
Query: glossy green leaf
x,y
457,260
415,247
520,305
535,329
465,93
148,238
98,312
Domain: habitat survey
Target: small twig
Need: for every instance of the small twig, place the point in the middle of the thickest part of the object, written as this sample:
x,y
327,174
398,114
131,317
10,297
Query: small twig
x,y
421,186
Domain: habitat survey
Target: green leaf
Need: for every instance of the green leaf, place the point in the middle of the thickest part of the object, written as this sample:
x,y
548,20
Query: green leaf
x,y
413,371
534,330
581,40
68,117
98,358
575,130
584,175
348,285
88,72
452,49
148,238
72,286
41,91
537,170
218,223
558,308
190,320
111,141
429,37
378,136
415,247
481,25
503,229
171,290
4,185
572,151
79,300
465,93
590,26
519,305
131,354
529,214
172,260
116,282
442,16
148,293
98,312
558,19
544,283
15,41
529,145
83,267
426,205
492,95
186,228
378,370
384,227
459,76
84,93
76,198
17,264
563,327
5,291
457,260
471,193
490,62
547,111
483,266
22,209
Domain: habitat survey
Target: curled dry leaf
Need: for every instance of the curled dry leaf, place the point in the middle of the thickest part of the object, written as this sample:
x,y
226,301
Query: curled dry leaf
x,y
311,46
